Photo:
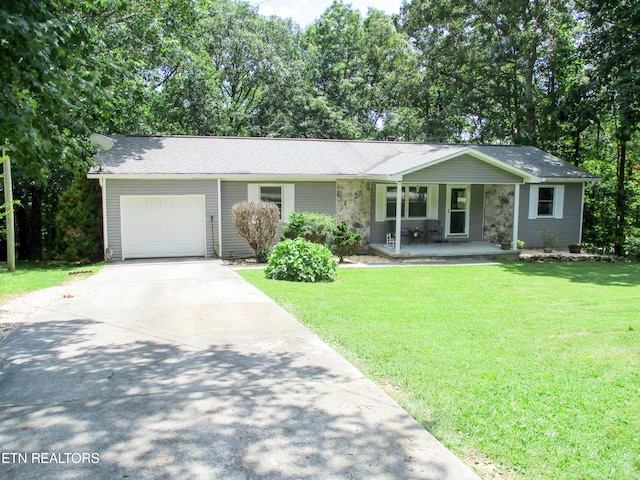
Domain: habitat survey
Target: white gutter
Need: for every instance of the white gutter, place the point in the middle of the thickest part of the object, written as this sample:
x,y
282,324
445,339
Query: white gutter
x,y
240,177
568,180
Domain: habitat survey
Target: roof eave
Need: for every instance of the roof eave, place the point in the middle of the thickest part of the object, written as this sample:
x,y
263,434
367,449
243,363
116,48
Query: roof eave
x,y
222,176
569,180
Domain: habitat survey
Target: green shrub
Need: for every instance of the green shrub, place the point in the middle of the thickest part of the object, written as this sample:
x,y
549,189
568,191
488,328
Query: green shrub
x,y
295,228
632,244
315,227
344,241
300,260
79,221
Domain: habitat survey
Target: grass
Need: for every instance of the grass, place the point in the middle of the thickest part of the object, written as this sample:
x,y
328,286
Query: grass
x,y
30,276
533,366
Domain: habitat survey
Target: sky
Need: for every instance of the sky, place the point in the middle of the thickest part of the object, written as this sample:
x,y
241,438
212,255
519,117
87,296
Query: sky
x,y
304,12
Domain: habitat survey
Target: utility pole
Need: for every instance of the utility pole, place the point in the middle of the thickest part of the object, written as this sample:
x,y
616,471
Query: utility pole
x,y
8,200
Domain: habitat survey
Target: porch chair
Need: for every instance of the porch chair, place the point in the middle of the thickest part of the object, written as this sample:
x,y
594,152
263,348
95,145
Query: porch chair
x,y
391,240
433,228
391,233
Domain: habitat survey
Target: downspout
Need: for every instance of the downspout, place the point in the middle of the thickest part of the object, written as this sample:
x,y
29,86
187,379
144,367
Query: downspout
x,y
108,254
219,252
516,215
398,232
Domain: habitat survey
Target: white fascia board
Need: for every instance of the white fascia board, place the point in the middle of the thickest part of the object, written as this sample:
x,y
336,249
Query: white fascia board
x,y
230,177
567,180
526,176
286,178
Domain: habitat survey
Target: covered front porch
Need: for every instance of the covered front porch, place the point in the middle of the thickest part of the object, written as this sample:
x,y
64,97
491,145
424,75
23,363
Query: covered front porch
x,y
445,220
444,250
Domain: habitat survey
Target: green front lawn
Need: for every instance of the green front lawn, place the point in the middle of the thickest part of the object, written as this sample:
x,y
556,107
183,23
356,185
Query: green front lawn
x,y
30,276
533,366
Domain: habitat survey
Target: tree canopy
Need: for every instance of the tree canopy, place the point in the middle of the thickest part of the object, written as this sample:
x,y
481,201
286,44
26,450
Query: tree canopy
x,y
561,75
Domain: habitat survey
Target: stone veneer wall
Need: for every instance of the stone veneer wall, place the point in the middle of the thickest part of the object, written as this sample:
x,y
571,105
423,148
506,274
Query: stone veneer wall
x,y
353,205
498,212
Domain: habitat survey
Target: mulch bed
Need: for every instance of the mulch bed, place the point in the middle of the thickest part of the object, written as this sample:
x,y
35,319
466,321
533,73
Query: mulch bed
x,y
556,256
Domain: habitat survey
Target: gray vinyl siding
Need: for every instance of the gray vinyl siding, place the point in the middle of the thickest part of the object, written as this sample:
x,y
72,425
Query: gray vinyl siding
x,y
317,197
118,187
567,229
233,246
463,170
476,213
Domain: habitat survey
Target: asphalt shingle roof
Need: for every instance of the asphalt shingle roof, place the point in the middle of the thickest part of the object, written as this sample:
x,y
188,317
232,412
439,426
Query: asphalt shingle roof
x,y
132,155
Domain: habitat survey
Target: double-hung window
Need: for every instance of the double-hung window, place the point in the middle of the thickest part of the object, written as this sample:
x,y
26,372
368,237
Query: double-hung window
x,y
413,201
273,194
416,201
283,195
546,201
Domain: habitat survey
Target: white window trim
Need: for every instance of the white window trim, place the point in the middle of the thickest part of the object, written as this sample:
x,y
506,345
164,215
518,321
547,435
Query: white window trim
x,y
288,196
381,201
558,201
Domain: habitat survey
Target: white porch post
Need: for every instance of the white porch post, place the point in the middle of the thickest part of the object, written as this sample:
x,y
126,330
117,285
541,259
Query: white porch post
x,y
398,232
516,215
581,212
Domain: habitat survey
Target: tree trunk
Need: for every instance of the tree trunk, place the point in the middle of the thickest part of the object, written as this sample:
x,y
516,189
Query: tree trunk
x,y
621,198
10,216
529,100
29,220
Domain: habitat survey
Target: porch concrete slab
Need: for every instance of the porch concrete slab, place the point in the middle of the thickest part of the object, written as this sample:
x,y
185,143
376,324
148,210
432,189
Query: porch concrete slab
x,y
457,249
184,370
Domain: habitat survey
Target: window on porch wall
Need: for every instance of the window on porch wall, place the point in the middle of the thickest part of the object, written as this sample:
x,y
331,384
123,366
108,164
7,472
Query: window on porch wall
x,y
414,201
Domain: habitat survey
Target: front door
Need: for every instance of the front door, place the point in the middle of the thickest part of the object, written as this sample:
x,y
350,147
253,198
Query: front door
x,y
458,211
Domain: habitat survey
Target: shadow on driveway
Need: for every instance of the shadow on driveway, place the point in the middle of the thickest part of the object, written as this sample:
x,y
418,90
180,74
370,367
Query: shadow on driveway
x,y
134,406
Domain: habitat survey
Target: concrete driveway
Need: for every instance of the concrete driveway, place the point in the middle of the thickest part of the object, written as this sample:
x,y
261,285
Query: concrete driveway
x,y
183,370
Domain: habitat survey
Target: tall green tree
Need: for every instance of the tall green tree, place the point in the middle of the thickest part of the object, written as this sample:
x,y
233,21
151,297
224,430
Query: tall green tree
x,y
362,72
496,71
46,83
239,66
613,59
254,58
68,70
335,47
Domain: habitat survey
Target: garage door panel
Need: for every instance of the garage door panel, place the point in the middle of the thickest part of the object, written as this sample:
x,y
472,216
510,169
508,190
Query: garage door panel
x,y
163,226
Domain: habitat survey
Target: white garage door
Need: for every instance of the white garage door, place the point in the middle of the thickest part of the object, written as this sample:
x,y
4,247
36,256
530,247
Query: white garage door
x,y
162,226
